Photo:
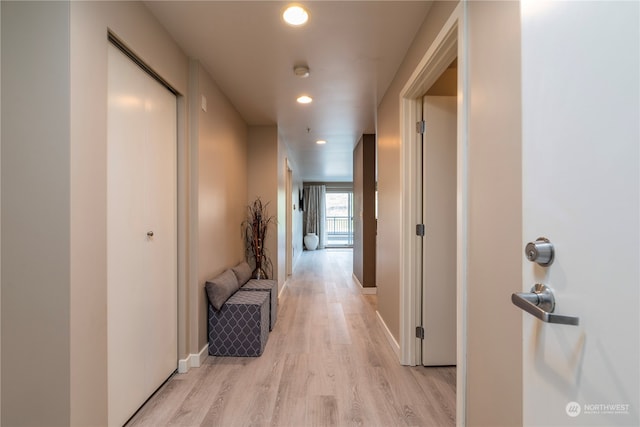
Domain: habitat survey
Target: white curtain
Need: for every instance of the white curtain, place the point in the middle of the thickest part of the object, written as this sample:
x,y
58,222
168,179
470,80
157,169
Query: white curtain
x,y
314,212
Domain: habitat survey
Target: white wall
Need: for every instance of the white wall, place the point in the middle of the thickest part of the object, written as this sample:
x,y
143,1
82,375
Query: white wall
x,y
264,170
494,373
220,135
135,26
57,200
494,328
266,167
389,185
35,241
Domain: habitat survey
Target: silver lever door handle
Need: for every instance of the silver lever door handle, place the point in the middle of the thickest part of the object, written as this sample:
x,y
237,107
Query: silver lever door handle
x,y
540,302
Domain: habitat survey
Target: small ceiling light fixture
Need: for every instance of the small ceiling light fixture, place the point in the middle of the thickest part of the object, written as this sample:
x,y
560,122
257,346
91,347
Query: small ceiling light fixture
x,y
295,15
304,99
301,71
321,142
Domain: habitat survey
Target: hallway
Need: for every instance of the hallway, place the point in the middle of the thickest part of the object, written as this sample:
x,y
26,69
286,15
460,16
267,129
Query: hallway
x,y
326,363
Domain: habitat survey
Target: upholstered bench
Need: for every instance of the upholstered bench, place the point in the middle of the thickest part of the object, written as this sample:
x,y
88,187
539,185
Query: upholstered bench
x,y
241,326
269,286
236,323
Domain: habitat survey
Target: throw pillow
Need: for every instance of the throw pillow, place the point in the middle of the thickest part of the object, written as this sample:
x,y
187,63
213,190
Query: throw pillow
x,y
242,272
221,288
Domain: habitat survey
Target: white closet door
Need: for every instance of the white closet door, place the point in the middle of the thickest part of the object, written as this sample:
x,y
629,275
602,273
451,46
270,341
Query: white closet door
x,y
439,243
142,268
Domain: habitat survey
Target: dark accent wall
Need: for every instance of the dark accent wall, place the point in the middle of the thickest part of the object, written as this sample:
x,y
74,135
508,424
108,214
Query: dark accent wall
x,y
364,211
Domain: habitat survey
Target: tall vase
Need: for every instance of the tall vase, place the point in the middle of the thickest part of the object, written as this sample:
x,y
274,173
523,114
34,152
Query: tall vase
x,y
311,241
258,272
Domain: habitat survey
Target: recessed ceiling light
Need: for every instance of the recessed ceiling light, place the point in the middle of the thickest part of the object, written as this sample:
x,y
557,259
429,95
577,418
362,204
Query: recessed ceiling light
x,y
295,15
321,141
304,99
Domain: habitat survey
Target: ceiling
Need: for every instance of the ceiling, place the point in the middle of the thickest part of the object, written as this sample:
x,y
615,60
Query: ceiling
x,y
353,49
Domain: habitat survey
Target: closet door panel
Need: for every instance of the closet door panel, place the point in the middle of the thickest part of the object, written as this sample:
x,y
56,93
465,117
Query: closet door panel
x,y
141,242
125,220
161,218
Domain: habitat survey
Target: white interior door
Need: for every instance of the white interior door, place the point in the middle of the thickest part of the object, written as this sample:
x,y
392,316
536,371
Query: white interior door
x,y
439,243
142,236
289,219
580,75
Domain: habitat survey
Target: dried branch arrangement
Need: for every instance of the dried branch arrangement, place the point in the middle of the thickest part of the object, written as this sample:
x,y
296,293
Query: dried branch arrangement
x,y
254,230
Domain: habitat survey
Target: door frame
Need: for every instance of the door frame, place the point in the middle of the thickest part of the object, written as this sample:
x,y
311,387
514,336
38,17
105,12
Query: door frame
x,y
450,43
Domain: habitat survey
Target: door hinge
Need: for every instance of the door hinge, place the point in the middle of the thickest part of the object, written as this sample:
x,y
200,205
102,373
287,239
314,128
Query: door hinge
x,y
421,127
420,332
420,230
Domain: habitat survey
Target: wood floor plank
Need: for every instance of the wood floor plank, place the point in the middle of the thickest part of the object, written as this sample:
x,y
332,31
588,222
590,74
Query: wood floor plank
x,y
164,403
439,387
290,406
323,411
326,363
338,330
195,405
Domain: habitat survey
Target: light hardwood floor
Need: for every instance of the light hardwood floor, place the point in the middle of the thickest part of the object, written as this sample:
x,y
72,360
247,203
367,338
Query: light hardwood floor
x,y
326,363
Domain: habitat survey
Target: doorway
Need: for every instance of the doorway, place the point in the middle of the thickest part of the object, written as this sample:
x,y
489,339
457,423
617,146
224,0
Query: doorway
x,y
448,45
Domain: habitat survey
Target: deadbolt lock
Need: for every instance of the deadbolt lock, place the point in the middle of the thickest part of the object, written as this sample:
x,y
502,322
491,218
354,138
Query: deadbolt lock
x,y
541,251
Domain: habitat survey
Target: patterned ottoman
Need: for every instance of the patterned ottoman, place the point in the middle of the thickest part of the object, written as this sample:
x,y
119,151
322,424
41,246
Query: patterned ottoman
x,y
241,327
270,286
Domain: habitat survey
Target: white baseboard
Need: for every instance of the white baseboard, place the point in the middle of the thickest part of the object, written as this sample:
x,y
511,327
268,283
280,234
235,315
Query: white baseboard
x,y
387,333
363,290
284,285
369,291
194,360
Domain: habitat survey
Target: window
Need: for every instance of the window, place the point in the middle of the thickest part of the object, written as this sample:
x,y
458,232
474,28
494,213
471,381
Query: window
x,y
339,219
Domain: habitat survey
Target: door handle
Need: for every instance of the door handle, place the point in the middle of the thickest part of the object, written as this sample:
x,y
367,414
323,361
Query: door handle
x,y
541,303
